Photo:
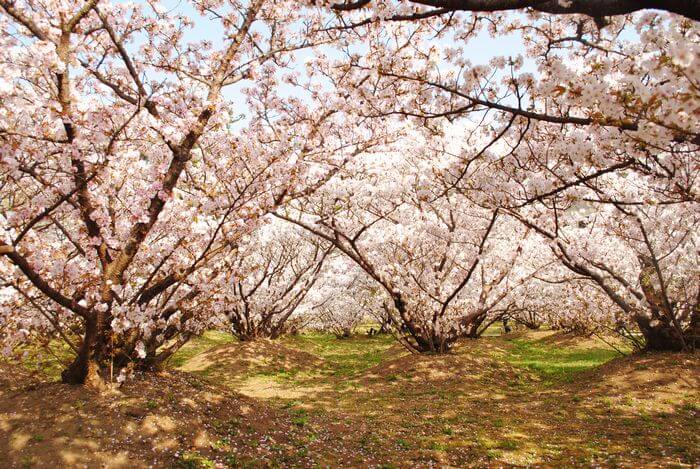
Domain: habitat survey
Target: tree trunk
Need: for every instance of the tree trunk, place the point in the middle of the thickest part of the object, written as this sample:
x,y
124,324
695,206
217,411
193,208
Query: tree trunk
x,y
661,336
662,332
86,367
473,327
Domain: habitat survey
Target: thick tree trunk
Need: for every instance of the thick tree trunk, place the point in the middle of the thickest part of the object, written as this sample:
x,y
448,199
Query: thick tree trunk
x,y
473,327
248,335
419,337
77,371
661,335
661,331
506,328
83,364
86,368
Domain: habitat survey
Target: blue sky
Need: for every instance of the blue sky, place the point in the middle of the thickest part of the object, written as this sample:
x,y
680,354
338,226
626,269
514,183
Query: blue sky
x,y
479,51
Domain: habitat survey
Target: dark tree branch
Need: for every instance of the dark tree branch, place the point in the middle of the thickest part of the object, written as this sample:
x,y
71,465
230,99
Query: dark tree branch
x,y
592,8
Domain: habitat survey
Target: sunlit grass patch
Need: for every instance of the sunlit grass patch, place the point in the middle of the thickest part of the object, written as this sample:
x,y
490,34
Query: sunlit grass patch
x,y
197,345
557,363
49,360
494,401
193,460
344,357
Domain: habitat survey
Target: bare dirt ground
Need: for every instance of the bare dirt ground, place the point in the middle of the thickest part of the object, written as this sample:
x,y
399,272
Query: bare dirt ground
x,y
538,399
161,420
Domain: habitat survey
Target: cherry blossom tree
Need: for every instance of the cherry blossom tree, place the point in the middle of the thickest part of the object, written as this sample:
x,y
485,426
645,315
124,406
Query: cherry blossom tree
x,y
268,278
444,263
645,260
344,298
563,300
598,116
135,162
130,176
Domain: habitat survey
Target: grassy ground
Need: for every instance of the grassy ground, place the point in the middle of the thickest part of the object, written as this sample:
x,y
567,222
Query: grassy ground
x,y
206,341
556,363
313,400
524,399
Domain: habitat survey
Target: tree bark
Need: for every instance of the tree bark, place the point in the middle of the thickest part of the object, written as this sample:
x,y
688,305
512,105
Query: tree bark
x,y
594,8
86,368
661,336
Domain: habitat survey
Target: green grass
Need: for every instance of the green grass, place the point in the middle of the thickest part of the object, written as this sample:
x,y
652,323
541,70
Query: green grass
x,y
344,357
49,361
406,412
52,359
341,358
281,374
556,363
197,345
494,330
193,460
348,357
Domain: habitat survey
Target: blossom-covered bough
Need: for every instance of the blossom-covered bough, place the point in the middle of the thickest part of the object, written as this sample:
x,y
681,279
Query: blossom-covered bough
x,y
421,9
128,177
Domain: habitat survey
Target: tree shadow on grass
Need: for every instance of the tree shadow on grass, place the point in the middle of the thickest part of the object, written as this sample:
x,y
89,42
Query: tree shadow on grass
x,y
478,406
472,407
